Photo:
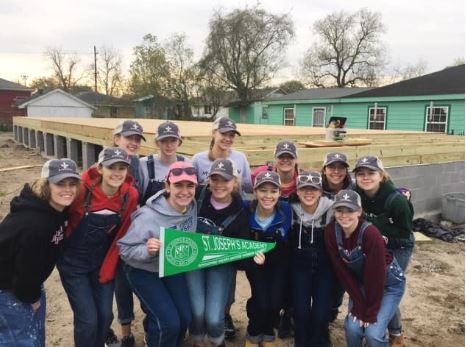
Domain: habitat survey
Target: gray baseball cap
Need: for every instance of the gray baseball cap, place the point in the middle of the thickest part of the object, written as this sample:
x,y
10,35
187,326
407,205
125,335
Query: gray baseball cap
x,y
225,125
168,129
55,170
347,198
285,147
369,162
129,127
309,179
225,168
112,155
267,177
335,157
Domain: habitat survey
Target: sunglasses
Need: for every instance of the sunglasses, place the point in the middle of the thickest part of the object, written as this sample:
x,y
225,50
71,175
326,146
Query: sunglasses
x,y
179,171
310,179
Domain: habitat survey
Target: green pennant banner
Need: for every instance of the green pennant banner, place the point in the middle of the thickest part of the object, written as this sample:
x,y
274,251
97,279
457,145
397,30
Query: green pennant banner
x,y
185,251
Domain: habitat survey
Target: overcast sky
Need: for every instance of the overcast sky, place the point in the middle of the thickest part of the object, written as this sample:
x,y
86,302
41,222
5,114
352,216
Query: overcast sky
x,y
431,30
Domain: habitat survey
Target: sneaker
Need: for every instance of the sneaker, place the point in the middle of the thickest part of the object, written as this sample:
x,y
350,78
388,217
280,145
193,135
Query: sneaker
x,y
285,327
396,341
127,341
230,329
111,340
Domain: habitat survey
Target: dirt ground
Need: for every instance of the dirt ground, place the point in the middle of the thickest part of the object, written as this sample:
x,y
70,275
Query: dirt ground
x,y
432,308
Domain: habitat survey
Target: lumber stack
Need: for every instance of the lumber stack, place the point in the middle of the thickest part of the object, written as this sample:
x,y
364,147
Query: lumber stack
x,y
395,148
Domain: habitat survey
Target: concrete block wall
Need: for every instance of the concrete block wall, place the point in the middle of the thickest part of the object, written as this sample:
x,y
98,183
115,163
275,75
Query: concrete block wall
x,y
428,183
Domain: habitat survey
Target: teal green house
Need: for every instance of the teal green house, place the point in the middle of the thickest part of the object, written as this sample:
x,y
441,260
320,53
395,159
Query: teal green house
x,y
433,102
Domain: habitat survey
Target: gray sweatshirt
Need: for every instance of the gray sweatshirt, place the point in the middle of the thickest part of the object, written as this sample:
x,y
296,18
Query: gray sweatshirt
x,y
146,223
313,220
202,163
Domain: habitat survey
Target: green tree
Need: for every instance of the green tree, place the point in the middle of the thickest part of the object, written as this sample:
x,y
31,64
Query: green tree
x,y
292,86
246,47
149,69
348,50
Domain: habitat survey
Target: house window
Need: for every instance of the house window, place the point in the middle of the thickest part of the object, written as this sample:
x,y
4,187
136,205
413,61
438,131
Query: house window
x,y
318,116
377,120
113,111
207,109
288,116
265,113
436,119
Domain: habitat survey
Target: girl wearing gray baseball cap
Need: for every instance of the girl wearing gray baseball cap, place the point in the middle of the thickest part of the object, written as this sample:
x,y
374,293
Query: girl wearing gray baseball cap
x,y
31,239
269,221
312,278
369,273
98,218
392,213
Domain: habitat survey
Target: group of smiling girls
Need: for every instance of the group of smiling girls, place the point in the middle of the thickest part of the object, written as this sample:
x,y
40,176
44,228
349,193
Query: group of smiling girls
x,y
330,233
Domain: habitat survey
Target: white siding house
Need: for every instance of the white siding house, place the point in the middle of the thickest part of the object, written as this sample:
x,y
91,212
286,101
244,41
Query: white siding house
x,y
57,103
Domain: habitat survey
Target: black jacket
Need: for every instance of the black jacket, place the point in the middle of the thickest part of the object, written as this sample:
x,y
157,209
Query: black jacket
x,y
30,239
239,227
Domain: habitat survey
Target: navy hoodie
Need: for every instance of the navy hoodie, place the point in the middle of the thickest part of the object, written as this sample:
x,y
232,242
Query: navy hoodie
x,y
30,239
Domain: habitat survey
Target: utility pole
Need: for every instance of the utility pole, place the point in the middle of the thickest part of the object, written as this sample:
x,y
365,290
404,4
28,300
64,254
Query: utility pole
x,y
95,69
24,78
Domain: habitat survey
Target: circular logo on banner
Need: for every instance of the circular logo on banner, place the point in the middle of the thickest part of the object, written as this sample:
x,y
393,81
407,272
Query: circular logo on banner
x,y
181,251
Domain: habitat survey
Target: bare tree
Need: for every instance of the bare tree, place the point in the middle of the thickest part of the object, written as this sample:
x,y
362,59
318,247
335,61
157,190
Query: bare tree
x,y
211,91
458,61
181,79
65,67
408,71
246,47
110,75
348,51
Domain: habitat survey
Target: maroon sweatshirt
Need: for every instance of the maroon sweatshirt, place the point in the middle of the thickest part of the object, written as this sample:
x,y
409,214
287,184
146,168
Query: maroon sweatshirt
x,y
368,298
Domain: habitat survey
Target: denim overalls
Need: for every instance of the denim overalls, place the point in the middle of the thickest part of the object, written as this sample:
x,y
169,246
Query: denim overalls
x,y
154,185
83,254
393,292
313,284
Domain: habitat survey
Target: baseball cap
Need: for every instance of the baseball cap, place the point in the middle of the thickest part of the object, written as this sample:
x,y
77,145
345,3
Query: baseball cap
x,y
309,179
225,168
369,162
267,177
347,198
129,127
335,157
166,130
181,171
112,155
285,147
224,125
55,170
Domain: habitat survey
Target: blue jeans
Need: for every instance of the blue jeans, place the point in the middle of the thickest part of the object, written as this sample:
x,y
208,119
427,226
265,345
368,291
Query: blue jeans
x,y
91,303
123,297
166,304
20,326
313,293
375,333
403,256
209,290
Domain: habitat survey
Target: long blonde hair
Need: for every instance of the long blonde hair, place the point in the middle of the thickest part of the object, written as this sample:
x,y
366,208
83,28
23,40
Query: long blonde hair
x,y
41,189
